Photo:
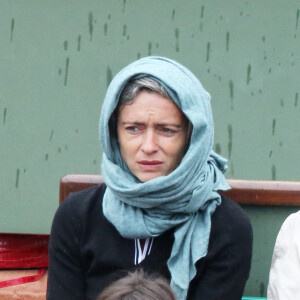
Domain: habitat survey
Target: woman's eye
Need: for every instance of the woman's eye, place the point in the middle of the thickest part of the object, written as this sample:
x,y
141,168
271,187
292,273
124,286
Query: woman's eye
x,y
132,129
167,131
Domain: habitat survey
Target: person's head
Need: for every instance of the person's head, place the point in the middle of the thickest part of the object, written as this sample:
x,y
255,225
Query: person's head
x,y
152,131
155,123
138,286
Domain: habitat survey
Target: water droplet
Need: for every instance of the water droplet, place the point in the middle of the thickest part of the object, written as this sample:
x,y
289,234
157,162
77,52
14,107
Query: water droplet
x,y
66,71
78,42
105,29
51,135
17,177
4,115
248,74
177,37
65,45
229,128
202,11
12,26
108,76
227,40
273,126
231,92
173,14
149,48
91,26
207,51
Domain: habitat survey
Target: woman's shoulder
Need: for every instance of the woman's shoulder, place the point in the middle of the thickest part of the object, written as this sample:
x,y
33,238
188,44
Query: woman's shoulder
x,y
230,217
82,202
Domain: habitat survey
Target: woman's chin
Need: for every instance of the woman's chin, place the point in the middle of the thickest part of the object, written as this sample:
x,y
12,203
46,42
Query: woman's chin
x,y
144,177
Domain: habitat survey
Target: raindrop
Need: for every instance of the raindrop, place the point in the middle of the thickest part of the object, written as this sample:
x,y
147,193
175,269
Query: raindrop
x,y
51,135
229,140
91,26
231,92
273,126
108,76
177,36
105,29
227,40
207,51
173,14
202,11
78,42
4,115
65,45
17,177
248,74
66,71
12,29
149,48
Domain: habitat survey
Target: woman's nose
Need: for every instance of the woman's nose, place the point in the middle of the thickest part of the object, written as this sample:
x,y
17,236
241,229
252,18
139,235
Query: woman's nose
x,y
149,143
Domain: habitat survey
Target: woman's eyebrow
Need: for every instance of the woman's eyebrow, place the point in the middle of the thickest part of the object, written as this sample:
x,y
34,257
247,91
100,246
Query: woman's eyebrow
x,y
170,124
157,124
132,123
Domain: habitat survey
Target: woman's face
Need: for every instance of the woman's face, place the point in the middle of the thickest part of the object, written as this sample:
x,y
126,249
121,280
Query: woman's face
x,y
152,133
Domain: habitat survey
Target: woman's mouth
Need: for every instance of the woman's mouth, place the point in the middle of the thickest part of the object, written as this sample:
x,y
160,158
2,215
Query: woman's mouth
x,y
150,165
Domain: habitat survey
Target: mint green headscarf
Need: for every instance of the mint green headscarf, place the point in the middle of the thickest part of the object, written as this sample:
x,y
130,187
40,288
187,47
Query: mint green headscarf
x,y
185,198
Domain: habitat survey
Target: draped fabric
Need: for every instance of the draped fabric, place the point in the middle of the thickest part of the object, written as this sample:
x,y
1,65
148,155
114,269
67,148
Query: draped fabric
x,y
185,198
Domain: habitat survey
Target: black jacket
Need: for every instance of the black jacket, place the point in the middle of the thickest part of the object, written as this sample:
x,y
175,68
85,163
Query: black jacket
x,y
86,252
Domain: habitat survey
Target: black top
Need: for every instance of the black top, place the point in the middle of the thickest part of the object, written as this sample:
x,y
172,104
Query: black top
x,y
86,252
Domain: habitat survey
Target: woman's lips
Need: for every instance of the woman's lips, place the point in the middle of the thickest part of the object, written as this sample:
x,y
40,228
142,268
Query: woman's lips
x,y
150,165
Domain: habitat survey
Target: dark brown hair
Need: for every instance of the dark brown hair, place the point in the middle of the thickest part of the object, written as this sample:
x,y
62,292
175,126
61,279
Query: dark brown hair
x,y
138,286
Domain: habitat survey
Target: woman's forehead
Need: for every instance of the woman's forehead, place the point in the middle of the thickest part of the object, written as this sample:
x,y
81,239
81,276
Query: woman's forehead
x,y
151,104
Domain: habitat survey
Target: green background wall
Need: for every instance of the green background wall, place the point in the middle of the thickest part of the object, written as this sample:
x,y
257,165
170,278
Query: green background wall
x,y
57,58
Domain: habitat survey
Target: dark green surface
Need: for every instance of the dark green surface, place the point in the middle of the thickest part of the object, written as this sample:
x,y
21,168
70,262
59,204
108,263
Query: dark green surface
x,y
266,222
57,58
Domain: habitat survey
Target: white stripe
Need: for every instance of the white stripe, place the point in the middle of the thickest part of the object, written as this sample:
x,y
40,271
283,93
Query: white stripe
x,y
145,249
152,239
140,254
135,251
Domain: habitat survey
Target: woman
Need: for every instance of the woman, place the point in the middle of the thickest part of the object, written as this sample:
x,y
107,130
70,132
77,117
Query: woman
x,y
159,209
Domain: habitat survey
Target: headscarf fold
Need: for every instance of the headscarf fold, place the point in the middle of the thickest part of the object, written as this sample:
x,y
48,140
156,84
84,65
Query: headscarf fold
x,y
184,199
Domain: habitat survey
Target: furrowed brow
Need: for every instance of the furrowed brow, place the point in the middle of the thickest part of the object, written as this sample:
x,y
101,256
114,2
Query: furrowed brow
x,y
132,123
169,124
